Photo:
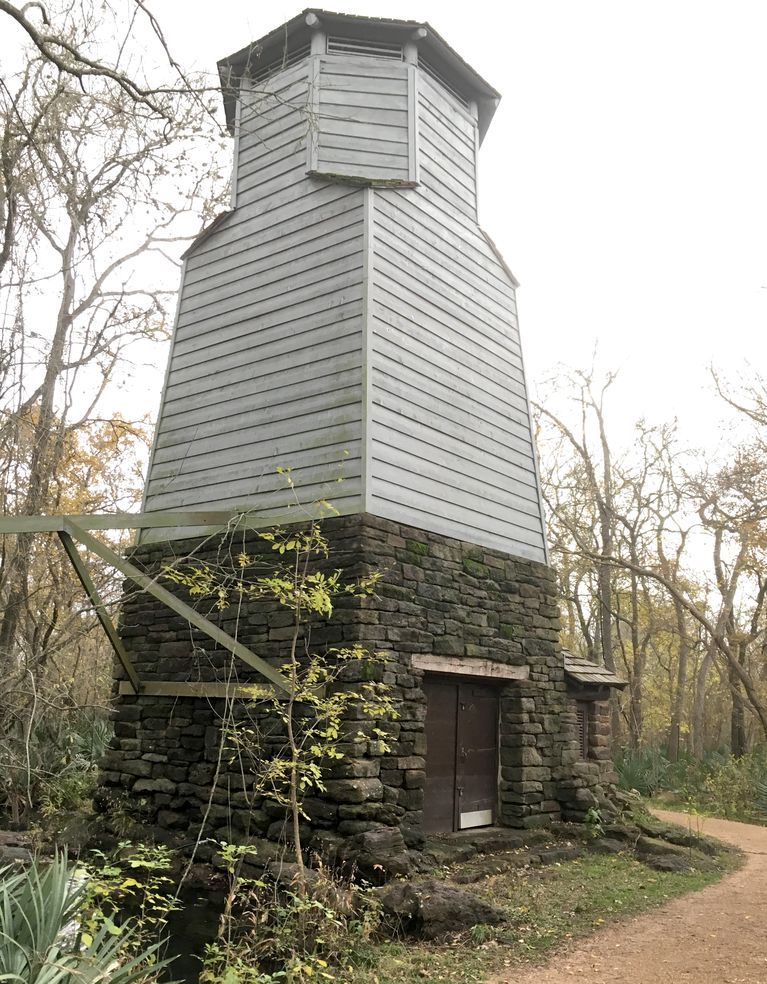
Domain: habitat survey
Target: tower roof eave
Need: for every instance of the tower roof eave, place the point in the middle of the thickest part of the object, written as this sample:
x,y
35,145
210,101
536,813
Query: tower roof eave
x,y
268,49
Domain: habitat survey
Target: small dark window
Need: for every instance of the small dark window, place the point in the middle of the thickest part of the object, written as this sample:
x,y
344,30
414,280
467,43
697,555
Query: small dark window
x,y
583,713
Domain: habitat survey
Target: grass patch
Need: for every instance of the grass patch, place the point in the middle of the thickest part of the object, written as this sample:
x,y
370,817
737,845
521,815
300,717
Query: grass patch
x,y
546,907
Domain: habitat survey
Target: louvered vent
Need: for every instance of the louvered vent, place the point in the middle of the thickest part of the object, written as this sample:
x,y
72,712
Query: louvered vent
x,y
435,74
583,714
290,58
368,49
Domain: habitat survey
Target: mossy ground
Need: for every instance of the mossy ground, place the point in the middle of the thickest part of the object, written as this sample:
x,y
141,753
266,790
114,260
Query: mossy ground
x,y
546,908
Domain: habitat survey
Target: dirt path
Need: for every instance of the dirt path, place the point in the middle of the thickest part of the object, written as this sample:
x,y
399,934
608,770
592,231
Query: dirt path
x,y
716,936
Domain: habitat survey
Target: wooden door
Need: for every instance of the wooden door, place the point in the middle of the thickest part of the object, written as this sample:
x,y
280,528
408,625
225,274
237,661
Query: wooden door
x,y
461,755
477,758
441,721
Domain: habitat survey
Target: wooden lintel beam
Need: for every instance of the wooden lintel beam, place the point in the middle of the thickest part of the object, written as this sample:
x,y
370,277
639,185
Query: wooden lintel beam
x,y
102,614
168,688
470,666
149,585
211,520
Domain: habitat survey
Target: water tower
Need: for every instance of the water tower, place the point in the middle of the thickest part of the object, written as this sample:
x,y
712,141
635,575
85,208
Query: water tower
x,y
349,319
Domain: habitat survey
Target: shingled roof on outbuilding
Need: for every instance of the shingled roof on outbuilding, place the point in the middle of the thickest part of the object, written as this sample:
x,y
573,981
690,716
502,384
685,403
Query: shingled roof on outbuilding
x,y
590,674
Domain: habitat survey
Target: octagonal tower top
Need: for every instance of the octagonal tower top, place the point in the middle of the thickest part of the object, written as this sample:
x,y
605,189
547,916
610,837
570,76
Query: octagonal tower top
x,y
323,32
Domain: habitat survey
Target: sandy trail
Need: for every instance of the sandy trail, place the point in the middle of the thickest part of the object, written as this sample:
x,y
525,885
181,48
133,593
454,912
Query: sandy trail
x,y
716,936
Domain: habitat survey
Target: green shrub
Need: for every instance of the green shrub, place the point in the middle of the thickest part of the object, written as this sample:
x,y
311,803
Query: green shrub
x,y
51,768
643,769
289,932
42,935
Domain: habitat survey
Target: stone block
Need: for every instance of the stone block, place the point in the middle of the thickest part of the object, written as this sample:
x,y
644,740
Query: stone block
x,y
354,790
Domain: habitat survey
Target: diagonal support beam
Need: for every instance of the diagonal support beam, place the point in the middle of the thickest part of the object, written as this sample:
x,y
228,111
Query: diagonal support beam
x,y
175,604
102,614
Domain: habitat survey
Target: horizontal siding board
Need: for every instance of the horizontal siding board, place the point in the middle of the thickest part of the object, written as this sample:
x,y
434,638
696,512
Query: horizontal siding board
x,y
233,415
371,85
261,495
333,129
401,488
501,465
337,257
268,148
401,347
242,427
260,122
333,101
260,389
313,284
449,112
362,67
444,299
449,177
310,239
336,340
423,519
386,118
266,444
493,325
435,255
247,428
371,147
461,160
369,160
456,202
418,212
451,463
256,188
279,350
246,229
451,404
282,164
442,342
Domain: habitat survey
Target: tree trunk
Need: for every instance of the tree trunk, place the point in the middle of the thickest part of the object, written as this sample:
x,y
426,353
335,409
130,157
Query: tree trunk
x,y
677,706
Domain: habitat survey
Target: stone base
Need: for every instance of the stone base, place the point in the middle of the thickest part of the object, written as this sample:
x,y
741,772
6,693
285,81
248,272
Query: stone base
x,y
439,598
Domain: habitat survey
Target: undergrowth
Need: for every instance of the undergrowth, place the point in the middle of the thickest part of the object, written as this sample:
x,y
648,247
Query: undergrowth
x,y
718,784
546,908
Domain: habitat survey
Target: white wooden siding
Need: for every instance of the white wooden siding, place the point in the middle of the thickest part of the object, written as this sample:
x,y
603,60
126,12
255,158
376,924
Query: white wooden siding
x,y
266,360
363,125
365,338
451,442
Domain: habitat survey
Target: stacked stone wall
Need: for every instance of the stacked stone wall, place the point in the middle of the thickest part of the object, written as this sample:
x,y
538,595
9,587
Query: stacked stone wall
x,y
438,597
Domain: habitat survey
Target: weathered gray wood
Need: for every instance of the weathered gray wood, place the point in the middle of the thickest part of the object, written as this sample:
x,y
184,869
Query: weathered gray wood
x,y
215,519
258,492
102,614
470,667
210,691
231,398
369,331
452,445
272,294
356,114
151,586
458,462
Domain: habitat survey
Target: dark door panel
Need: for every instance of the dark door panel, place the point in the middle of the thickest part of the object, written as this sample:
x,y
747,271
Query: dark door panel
x,y
461,755
439,793
477,770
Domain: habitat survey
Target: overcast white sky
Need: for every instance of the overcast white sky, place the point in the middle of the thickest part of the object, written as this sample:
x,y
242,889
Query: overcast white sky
x,y
624,175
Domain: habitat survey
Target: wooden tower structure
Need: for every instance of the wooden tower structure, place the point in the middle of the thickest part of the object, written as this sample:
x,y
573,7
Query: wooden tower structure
x,y
349,320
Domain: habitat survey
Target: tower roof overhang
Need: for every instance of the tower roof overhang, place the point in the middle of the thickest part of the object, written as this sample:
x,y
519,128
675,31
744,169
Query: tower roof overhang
x,y
295,35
